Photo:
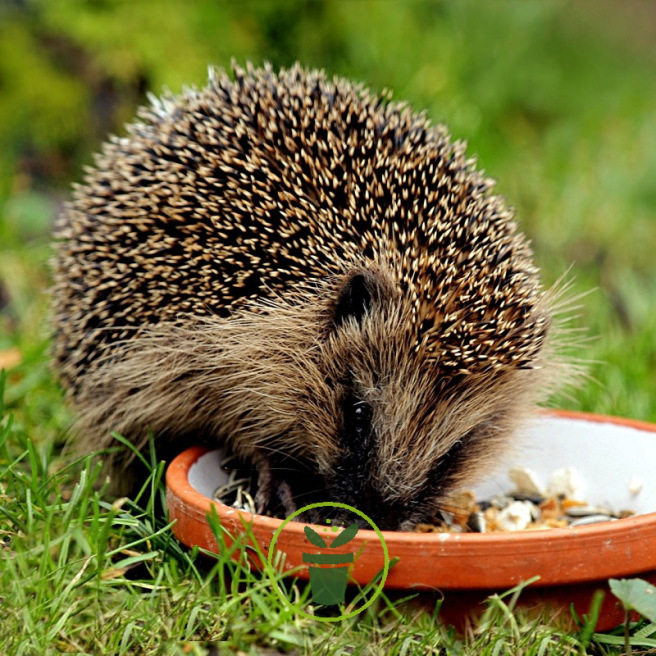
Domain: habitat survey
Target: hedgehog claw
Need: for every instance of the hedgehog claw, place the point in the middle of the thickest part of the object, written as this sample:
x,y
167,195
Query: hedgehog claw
x,y
270,489
264,489
284,493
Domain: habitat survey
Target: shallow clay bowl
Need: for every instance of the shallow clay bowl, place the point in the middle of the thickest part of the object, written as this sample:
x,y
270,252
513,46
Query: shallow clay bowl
x,y
571,562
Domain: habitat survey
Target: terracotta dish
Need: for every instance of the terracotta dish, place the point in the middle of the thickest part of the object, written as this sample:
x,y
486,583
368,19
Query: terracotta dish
x,y
571,562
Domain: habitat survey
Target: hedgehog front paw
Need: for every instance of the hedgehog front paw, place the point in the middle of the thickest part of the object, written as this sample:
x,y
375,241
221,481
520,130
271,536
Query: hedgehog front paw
x,y
272,492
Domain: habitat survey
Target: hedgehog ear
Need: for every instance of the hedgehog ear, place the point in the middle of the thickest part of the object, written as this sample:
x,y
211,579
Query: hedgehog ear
x,y
356,297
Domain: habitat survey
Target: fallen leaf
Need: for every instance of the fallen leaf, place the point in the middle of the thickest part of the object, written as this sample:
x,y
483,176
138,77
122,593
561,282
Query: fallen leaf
x,y
113,573
10,358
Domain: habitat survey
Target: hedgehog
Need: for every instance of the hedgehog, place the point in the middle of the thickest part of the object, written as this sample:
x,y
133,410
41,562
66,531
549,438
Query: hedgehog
x,y
310,275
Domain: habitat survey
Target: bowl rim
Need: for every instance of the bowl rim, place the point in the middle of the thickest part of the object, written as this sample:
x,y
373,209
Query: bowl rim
x,y
191,501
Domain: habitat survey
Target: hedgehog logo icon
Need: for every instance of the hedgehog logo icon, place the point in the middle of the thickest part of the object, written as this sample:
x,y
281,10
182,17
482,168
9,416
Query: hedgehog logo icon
x,y
329,571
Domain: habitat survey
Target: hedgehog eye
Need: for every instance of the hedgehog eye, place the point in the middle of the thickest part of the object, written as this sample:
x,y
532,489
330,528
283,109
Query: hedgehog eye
x,y
354,300
357,417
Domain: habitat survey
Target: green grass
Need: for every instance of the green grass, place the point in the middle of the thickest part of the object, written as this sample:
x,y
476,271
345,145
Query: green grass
x,y
84,575
556,98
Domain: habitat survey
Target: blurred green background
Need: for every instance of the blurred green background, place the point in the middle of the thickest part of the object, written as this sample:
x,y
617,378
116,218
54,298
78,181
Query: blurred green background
x,y
557,99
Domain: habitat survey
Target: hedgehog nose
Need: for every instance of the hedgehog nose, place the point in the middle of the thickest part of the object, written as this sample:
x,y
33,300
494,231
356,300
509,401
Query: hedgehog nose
x,y
384,519
338,517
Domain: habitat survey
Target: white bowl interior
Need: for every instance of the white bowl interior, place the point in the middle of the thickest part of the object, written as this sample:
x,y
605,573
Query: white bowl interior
x,y
607,456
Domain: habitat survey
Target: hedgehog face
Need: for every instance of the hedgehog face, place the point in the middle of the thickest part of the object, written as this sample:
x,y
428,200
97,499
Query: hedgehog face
x,y
399,432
